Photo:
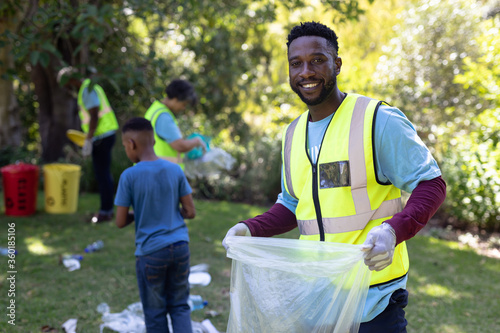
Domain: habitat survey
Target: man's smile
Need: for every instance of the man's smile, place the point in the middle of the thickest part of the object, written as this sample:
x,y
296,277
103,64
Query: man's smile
x,y
309,85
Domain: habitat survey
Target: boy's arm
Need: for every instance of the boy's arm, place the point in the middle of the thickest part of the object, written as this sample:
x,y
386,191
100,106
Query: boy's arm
x,y
187,207
123,218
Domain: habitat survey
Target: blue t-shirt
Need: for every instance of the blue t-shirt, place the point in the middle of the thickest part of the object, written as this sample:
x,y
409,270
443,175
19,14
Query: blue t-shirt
x,y
90,99
166,128
154,189
401,158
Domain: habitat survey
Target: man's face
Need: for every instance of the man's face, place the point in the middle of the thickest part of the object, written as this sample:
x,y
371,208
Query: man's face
x,y
178,105
313,68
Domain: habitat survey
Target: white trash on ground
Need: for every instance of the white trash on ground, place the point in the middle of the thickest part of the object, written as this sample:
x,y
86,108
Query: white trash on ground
x,y
295,286
199,276
71,264
69,326
131,320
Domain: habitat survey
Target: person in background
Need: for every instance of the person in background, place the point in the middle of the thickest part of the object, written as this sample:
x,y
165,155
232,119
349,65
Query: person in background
x,y
161,196
345,162
170,144
98,122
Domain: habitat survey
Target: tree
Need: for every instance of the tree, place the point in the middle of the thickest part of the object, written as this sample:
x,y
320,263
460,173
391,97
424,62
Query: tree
x,y
442,69
136,46
10,124
472,157
420,64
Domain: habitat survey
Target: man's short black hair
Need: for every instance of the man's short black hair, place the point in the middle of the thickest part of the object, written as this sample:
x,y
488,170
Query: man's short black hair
x,y
137,124
182,90
313,29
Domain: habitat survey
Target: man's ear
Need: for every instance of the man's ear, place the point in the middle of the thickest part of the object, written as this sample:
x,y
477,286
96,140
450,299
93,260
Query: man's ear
x,y
338,65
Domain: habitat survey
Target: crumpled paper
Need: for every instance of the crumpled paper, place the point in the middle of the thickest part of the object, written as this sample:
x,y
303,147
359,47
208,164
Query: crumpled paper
x,y
69,326
71,264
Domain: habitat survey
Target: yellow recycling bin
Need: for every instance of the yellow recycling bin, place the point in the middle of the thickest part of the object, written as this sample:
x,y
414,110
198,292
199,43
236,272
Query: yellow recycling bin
x,y
62,183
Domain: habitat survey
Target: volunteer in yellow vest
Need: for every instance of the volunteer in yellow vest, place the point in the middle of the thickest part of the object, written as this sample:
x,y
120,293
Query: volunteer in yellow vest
x,y
170,144
345,162
99,123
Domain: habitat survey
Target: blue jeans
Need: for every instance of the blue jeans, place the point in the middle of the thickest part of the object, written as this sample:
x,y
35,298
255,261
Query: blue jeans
x,y
162,277
101,161
392,319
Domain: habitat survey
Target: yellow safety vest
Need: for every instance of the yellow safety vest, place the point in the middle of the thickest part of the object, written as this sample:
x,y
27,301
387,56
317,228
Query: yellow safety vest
x,y
163,148
106,117
341,190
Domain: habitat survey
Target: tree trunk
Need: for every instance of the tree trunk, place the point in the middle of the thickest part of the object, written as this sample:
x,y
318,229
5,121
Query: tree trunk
x,y
56,114
10,122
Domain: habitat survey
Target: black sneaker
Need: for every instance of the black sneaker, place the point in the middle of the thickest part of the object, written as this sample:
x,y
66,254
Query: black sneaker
x,y
99,218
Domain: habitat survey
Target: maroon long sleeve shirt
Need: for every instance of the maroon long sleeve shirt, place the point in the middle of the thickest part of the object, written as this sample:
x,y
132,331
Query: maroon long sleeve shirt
x,y
423,203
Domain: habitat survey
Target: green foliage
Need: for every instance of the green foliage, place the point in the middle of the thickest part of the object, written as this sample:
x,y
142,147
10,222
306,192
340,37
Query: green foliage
x,y
11,155
471,167
471,160
256,177
442,71
418,68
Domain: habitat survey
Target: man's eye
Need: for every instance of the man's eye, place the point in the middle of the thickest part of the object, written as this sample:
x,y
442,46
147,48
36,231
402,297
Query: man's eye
x,y
318,61
294,64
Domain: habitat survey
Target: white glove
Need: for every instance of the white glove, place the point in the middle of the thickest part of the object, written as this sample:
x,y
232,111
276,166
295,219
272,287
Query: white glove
x,y
379,247
240,229
87,148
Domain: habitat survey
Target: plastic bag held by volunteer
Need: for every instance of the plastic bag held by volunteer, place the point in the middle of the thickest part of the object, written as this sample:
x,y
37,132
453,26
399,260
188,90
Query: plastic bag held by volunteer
x,y
295,286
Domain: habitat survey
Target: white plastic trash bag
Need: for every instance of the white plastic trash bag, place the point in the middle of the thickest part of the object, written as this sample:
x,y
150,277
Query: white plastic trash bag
x,y
213,163
296,286
130,320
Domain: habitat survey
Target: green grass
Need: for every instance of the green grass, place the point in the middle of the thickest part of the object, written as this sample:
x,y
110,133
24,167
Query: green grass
x,y
451,289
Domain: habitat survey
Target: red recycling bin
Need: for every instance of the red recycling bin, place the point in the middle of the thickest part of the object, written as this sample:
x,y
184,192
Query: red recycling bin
x,y
20,188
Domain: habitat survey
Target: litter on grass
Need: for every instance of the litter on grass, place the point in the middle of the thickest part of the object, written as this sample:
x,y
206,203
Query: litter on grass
x,y
198,275
131,320
71,264
69,326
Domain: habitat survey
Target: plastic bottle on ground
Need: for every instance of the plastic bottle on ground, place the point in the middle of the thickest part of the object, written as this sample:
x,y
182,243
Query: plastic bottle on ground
x,y
95,246
196,302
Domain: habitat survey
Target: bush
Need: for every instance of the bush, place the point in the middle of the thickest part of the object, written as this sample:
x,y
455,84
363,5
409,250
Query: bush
x,y
255,178
471,168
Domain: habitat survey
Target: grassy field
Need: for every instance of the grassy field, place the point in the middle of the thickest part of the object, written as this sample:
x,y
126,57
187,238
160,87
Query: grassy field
x,y
451,289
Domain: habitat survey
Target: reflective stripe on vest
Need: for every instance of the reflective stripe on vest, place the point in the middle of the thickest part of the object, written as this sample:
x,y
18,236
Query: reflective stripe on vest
x,y
162,148
345,210
106,117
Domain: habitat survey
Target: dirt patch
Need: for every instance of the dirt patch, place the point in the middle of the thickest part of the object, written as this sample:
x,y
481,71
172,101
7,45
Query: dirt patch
x,y
484,243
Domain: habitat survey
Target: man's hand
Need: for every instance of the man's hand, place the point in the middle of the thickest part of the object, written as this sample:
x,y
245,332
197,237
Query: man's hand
x,y
240,229
202,144
87,148
379,247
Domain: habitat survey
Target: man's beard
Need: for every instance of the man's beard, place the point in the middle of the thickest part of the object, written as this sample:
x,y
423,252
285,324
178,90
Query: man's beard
x,y
325,92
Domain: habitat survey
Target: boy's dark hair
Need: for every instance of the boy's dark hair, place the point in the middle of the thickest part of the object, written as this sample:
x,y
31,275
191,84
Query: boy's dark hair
x,y
137,124
182,90
313,29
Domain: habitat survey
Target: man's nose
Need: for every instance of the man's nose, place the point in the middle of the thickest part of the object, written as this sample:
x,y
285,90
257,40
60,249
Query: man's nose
x,y
306,71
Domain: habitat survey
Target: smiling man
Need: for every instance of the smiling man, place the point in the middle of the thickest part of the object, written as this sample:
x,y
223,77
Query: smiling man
x,y
345,161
